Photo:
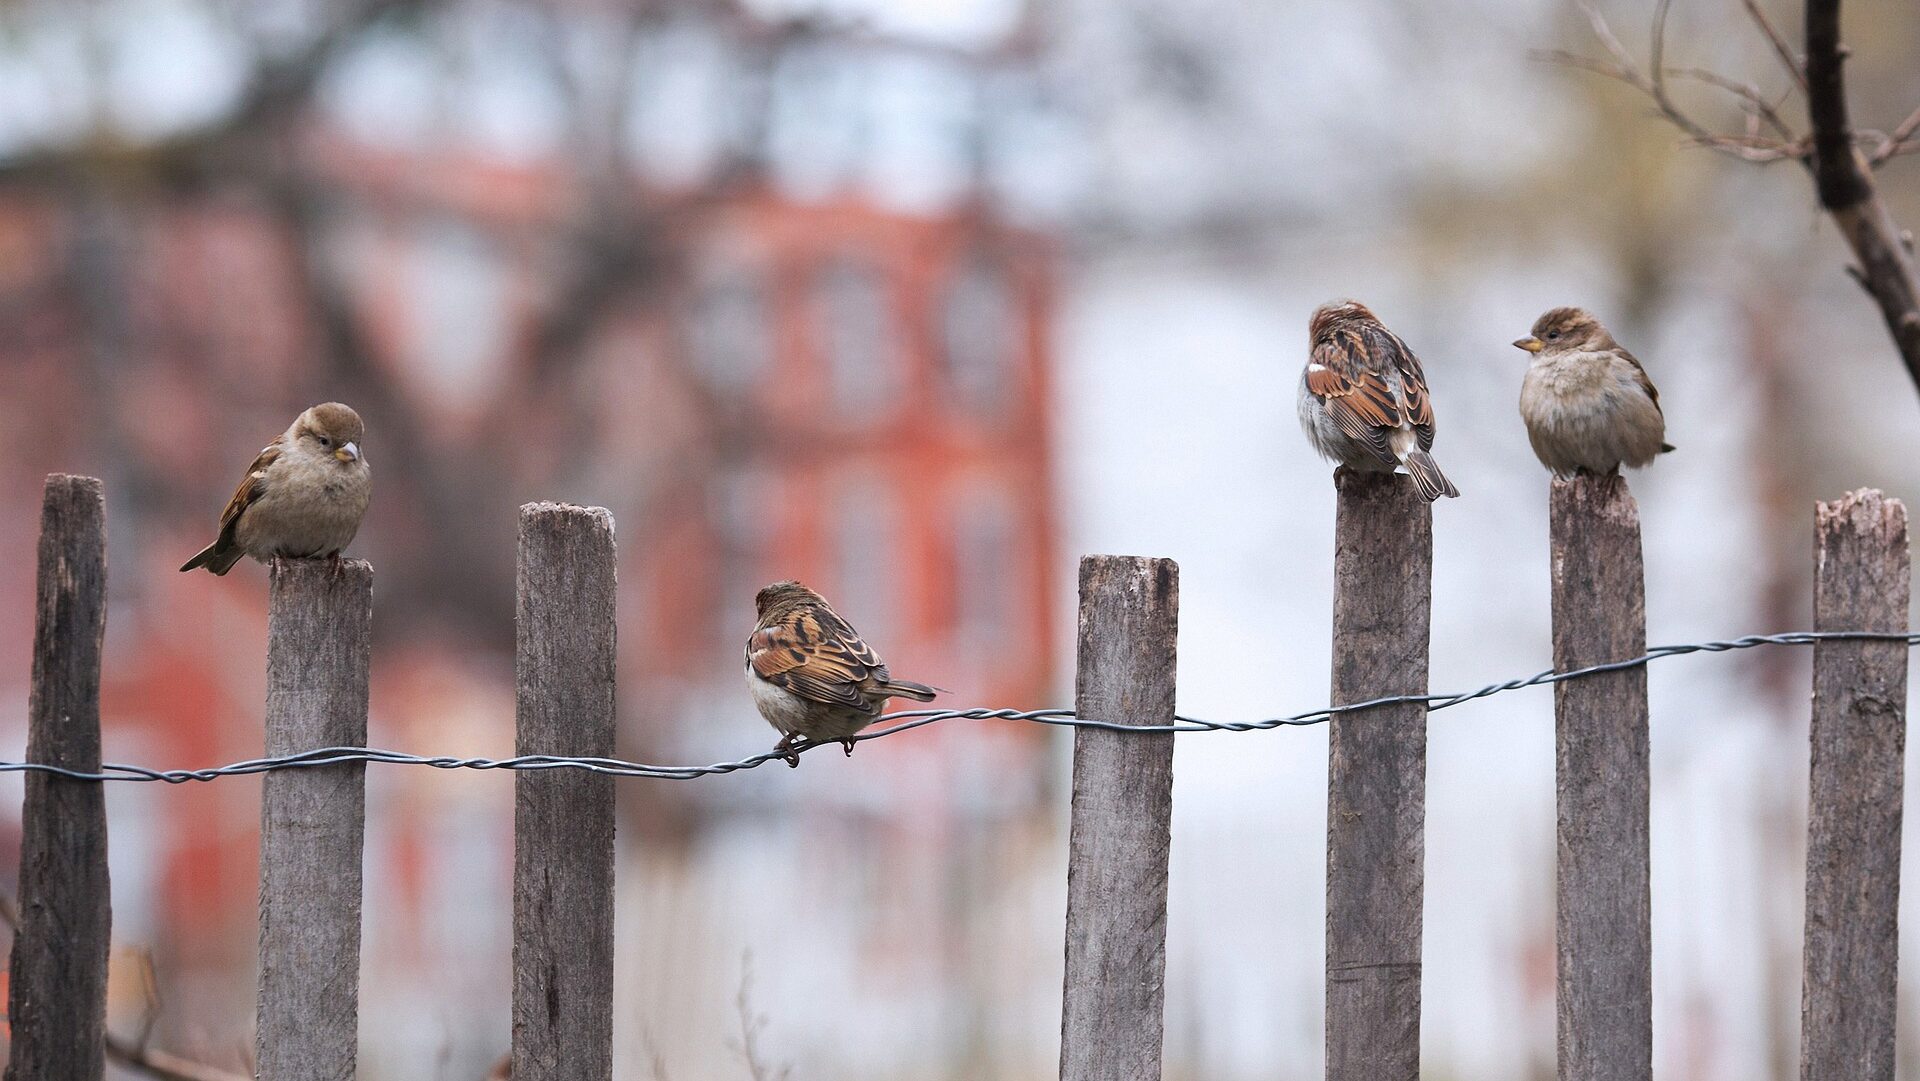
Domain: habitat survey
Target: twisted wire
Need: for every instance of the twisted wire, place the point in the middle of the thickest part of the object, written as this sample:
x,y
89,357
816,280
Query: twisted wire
x,y
907,720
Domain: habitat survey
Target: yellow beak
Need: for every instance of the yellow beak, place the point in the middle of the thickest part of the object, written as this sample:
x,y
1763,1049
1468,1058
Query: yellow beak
x,y
1531,345
347,452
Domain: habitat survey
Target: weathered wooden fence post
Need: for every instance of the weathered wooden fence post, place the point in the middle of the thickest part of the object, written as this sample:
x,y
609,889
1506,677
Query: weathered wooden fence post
x,y
1113,1013
57,997
563,819
1862,583
1603,921
1377,778
313,821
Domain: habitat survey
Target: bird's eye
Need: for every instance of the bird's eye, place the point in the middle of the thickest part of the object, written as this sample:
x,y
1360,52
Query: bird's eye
x,y
1552,336
324,441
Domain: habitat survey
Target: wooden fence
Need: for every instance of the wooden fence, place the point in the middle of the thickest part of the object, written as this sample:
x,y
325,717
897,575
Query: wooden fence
x,y
313,818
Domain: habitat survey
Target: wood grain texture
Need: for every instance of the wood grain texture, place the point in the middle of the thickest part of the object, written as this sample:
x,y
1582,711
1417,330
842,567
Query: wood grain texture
x,y
1862,582
313,821
1114,1001
1376,788
563,819
57,995
1603,915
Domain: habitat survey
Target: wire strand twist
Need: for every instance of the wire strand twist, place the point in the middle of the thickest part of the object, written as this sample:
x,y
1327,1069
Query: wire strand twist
x,y
907,720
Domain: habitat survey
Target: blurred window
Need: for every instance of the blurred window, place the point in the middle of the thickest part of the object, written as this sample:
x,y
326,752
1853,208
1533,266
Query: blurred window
x,y
980,333
869,573
729,331
742,500
988,600
857,335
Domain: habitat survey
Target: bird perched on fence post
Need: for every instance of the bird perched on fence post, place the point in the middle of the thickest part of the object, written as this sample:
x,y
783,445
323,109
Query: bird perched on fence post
x,y
1588,404
811,674
1364,400
303,497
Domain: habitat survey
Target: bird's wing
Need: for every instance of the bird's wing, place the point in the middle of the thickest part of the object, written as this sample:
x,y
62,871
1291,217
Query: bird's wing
x,y
252,487
815,654
1354,392
1640,373
1416,403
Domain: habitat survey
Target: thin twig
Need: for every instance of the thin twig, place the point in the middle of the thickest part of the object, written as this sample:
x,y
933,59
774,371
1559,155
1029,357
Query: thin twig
x,y
1781,48
1899,141
1750,146
1652,82
751,1026
1756,102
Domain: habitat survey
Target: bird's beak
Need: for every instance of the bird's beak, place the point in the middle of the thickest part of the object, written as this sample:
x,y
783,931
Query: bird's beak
x,y
348,452
1531,345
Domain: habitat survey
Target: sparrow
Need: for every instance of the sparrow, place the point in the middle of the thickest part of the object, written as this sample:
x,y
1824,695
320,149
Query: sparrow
x,y
811,674
1364,400
1587,402
303,496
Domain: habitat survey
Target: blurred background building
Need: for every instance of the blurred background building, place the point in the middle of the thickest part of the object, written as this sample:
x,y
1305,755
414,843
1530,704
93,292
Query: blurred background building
x,y
917,301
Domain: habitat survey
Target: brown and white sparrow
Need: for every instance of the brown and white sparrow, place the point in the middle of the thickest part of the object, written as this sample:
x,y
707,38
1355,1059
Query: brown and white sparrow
x,y
812,676
302,497
1364,400
1587,402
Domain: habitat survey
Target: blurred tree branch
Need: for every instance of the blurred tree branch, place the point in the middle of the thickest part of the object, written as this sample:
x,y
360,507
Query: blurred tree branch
x,y
615,244
189,160
134,1054
1840,158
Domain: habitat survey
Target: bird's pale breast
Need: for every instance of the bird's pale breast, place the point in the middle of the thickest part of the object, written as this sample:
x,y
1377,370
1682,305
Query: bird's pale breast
x,y
1589,411
311,507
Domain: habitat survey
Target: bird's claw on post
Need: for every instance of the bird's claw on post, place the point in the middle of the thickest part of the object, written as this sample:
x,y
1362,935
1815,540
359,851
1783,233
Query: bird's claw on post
x,y
786,750
848,745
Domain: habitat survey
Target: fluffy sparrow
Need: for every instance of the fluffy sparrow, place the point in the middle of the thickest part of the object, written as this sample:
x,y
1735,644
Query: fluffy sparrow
x,y
1587,402
302,497
1364,401
812,676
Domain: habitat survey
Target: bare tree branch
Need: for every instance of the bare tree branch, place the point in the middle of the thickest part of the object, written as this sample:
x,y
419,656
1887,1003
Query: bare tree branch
x,y
190,160
1899,141
752,1024
1845,185
1839,158
1780,47
135,1054
164,1066
1756,103
1750,146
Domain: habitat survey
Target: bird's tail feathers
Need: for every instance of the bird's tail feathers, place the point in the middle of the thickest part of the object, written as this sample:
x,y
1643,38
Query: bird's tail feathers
x,y
1427,476
215,558
906,688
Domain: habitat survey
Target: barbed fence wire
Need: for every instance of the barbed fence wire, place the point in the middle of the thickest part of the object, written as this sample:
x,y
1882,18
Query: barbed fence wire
x,y
908,720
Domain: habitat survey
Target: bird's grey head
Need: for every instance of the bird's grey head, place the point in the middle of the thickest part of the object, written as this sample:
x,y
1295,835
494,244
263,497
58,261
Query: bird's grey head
x,y
333,429
1566,330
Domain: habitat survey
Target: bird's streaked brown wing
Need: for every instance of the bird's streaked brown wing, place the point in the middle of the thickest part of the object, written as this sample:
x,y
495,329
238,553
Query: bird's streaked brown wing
x,y
252,487
815,654
1418,408
1355,395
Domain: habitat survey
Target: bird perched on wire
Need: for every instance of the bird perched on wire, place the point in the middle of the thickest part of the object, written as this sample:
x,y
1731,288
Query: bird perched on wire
x,y
303,497
1364,401
1587,402
812,676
